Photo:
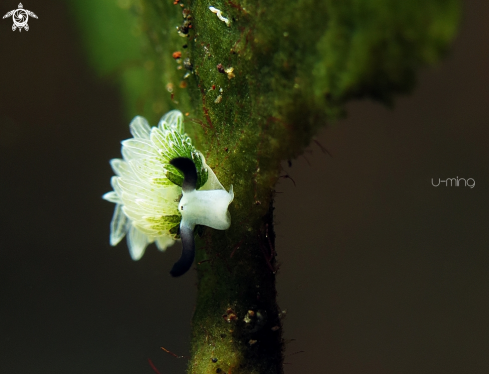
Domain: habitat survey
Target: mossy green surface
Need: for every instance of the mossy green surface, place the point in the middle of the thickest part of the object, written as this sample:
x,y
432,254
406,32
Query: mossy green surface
x,y
294,66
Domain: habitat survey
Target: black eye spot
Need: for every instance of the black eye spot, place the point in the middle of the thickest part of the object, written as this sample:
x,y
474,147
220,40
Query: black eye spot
x,y
181,207
214,360
187,167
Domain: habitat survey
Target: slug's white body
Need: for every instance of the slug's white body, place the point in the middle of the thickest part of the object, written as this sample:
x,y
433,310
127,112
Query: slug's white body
x,y
207,208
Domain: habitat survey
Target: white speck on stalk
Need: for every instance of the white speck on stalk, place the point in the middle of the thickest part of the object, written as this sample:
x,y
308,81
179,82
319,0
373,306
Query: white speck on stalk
x,y
219,15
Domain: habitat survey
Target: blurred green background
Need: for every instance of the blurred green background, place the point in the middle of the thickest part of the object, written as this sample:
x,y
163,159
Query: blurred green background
x,y
381,272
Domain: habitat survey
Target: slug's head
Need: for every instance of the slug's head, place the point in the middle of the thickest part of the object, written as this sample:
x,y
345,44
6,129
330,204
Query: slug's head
x,y
202,207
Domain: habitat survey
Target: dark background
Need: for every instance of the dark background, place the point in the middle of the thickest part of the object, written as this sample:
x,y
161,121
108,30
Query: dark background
x,y
380,271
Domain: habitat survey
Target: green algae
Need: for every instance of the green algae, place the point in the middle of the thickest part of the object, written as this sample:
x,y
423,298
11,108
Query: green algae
x,y
294,66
